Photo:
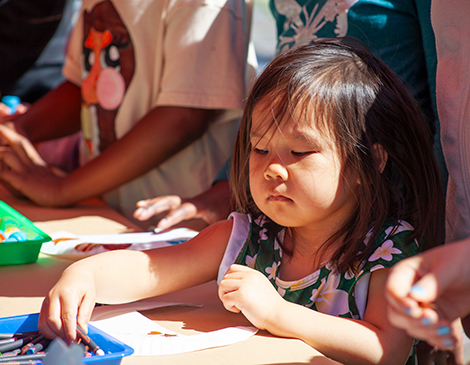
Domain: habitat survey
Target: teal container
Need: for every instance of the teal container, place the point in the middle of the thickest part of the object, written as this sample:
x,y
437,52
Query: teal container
x,y
19,252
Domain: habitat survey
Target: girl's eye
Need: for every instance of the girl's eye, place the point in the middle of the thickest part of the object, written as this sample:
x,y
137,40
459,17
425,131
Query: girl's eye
x,y
301,154
260,151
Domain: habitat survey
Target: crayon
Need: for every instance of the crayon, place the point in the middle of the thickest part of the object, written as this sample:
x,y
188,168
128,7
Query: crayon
x,y
87,341
18,335
31,344
8,340
38,356
16,344
40,346
10,353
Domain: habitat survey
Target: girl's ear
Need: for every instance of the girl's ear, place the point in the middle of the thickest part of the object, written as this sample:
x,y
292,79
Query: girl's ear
x,y
381,155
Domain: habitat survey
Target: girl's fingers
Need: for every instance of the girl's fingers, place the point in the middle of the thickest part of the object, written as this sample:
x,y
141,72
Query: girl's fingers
x,y
229,301
85,311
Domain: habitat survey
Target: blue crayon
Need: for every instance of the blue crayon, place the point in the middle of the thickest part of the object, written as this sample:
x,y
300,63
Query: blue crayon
x,y
31,344
39,346
12,102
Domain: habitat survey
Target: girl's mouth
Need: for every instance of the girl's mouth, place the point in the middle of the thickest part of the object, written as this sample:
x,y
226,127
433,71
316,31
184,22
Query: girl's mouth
x,y
278,198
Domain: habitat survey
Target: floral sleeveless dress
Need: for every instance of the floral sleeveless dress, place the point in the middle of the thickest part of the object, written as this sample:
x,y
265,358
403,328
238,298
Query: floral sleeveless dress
x,y
342,294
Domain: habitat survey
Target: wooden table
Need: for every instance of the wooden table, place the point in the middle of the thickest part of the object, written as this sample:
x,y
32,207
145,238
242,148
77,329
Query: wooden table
x,y
22,288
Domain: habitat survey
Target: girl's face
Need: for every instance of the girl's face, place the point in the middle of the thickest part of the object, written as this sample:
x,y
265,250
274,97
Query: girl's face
x,y
297,177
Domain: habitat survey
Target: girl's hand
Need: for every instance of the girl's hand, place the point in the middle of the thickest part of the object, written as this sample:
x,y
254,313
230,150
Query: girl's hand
x,y
246,290
70,301
24,172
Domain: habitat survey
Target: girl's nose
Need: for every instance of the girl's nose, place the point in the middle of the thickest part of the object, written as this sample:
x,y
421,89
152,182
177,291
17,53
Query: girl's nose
x,y
275,170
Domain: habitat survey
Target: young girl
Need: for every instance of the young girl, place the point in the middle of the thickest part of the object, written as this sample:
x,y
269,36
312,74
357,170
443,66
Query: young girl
x,y
332,170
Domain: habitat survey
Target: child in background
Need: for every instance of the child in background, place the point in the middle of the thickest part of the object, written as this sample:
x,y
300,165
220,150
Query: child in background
x,y
157,91
332,169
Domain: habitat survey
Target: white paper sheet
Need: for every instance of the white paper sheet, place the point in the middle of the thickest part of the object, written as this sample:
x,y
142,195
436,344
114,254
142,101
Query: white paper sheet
x,y
134,330
65,243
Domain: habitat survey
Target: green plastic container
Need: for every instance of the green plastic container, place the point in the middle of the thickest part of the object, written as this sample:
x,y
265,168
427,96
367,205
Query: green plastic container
x,y
21,252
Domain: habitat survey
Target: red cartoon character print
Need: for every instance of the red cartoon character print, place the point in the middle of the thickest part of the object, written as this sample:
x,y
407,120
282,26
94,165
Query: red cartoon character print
x,y
108,68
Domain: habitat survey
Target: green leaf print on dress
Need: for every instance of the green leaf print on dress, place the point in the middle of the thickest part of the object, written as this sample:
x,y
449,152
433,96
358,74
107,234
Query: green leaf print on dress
x,y
326,290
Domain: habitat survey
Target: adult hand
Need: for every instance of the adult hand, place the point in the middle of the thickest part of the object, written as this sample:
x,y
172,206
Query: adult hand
x,y
246,290
24,172
69,302
427,293
211,206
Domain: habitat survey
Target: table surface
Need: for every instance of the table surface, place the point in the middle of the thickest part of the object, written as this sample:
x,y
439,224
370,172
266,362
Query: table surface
x,y
23,287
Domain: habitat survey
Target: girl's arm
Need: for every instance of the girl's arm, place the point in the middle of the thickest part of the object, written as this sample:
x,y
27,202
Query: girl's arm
x,y
371,341
125,276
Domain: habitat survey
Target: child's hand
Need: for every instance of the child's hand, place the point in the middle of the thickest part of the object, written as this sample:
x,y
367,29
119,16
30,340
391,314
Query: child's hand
x,y
24,172
248,291
178,210
71,300
5,112
210,206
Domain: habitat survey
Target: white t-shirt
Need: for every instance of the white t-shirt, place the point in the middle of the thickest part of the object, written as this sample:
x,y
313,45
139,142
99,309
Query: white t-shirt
x,y
151,53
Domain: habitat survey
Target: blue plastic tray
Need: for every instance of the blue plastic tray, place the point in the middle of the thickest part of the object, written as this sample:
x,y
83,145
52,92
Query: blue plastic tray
x,y
115,350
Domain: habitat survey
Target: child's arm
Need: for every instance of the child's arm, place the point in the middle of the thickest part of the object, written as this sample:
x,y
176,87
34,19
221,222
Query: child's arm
x,y
124,276
55,115
162,133
372,341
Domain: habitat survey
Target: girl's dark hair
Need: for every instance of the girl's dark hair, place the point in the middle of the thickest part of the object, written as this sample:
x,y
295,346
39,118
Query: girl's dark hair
x,y
339,87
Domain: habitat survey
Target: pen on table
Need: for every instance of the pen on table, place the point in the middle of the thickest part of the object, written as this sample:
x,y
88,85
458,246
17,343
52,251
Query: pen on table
x,y
88,341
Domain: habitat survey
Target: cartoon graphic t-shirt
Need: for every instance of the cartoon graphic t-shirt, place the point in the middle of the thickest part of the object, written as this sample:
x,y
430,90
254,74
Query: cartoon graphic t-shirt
x,y
108,68
397,31
131,56
253,243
